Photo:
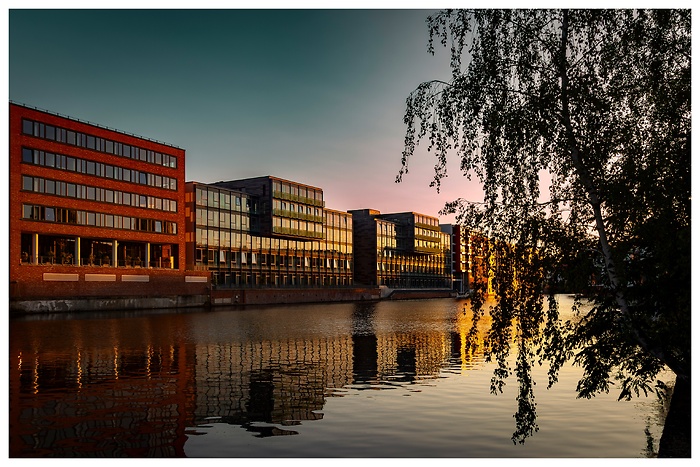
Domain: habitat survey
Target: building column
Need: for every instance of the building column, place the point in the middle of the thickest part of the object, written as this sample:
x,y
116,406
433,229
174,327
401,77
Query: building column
x,y
148,255
35,249
77,251
115,261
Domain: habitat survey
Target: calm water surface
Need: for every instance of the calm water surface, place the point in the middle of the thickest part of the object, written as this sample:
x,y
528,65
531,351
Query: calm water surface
x,y
387,379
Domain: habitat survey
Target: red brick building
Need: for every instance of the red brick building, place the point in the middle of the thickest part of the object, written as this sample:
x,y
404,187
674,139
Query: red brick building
x,y
94,212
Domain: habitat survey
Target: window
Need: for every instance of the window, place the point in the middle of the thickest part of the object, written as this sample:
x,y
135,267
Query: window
x,y
27,156
30,212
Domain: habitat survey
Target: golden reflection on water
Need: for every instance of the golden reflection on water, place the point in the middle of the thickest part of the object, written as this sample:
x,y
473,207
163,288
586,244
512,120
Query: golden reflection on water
x,y
140,385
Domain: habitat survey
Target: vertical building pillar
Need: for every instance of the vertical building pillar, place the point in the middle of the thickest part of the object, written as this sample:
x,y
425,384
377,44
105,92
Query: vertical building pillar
x,y
148,255
115,261
34,249
77,251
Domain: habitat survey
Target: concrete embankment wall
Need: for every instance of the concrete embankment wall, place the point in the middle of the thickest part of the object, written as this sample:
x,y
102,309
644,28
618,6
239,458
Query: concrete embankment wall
x,y
220,298
60,305
417,294
280,296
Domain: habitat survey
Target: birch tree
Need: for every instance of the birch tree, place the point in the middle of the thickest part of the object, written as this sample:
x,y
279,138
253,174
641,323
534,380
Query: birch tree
x,y
593,105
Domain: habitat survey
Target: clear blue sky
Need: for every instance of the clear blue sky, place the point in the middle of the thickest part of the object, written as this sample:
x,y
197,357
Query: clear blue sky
x,y
315,96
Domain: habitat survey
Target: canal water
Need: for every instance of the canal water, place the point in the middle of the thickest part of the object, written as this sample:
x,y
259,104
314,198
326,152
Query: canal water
x,y
385,379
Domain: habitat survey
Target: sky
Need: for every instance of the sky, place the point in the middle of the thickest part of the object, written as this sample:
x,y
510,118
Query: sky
x,y
313,96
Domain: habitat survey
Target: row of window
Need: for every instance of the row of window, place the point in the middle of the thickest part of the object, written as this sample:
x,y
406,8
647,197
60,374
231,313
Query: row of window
x,y
83,140
233,239
224,258
96,219
334,234
411,268
304,194
226,279
72,190
428,221
224,199
339,219
97,169
290,209
311,229
428,233
223,219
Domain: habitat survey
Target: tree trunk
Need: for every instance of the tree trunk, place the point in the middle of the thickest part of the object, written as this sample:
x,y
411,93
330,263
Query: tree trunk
x,y
676,440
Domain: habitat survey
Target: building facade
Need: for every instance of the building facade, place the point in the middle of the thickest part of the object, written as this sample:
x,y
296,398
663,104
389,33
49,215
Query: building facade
x,y
249,234
93,211
460,253
400,250
287,209
99,213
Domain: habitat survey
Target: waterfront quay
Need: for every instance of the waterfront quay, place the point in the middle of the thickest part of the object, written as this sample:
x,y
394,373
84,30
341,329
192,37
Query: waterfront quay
x,y
103,219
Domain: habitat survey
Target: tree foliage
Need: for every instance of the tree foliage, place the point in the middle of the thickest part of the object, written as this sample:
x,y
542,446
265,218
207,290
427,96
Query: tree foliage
x,y
593,105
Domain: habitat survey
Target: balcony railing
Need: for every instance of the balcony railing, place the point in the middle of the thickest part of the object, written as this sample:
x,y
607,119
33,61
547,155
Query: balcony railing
x,y
297,215
298,199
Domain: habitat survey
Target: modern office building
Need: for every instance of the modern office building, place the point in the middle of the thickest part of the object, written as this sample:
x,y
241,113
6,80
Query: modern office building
x,y
267,232
97,213
460,249
400,250
93,211
287,209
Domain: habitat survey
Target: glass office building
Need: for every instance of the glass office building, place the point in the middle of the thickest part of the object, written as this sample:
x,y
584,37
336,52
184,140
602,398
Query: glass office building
x,y
400,250
256,236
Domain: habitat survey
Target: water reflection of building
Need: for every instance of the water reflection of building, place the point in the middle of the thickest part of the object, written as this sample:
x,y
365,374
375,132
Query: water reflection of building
x,y
140,386
365,358
269,381
400,250
116,392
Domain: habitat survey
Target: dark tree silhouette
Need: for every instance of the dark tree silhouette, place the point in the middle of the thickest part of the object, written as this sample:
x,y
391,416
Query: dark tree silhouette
x,y
595,104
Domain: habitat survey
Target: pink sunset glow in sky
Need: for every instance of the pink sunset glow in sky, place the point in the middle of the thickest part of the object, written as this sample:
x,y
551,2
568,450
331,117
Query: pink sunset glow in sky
x,y
313,96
